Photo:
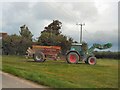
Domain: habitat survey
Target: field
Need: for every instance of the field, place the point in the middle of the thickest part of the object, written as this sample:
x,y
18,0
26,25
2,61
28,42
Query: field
x,y
59,74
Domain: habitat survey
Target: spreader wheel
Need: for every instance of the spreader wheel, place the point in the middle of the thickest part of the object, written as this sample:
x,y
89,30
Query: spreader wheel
x,y
72,57
91,60
39,56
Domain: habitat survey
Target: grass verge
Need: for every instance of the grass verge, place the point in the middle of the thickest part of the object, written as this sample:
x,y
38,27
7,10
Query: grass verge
x,y
59,74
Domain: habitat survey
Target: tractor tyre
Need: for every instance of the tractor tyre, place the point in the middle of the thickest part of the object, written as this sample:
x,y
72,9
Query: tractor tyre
x,y
91,60
72,57
39,56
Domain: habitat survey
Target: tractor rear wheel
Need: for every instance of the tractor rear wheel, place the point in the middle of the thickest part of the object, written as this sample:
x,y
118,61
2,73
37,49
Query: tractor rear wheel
x,y
39,56
91,60
72,57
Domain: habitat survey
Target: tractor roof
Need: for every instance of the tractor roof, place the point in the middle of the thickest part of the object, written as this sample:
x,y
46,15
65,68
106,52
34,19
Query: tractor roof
x,y
77,44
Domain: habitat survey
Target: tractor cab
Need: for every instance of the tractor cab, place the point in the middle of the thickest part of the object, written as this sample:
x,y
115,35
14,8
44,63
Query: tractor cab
x,y
76,47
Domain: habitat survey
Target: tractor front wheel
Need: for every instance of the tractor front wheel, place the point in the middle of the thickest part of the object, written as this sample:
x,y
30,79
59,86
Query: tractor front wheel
x,y
91,60
72,57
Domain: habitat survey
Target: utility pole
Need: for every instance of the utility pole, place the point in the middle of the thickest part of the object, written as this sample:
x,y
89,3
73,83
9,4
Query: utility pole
x,y
81,31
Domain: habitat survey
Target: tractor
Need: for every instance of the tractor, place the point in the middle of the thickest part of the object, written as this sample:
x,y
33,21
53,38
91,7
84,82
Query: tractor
x,y
78,53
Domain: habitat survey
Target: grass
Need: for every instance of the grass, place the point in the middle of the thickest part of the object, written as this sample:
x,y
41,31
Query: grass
x,y
59,74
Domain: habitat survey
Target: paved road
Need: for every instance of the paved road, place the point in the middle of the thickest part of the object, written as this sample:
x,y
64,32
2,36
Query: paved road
x,y
10,81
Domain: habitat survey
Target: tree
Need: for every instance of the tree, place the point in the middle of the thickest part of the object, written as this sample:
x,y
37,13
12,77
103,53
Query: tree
x,y
17,44
46,39
51,36
53,27
11,44
25,33
65,43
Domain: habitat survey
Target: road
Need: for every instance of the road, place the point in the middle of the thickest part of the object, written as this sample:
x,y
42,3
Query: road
x,y
10,81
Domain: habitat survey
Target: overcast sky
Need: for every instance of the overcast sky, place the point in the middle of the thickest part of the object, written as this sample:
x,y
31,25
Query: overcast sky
x,y
100,18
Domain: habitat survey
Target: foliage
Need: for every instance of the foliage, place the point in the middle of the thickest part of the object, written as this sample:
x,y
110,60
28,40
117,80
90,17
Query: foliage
x,y
62,75
10,44
17,44
25,33
47,39
52,36
107,54
53,27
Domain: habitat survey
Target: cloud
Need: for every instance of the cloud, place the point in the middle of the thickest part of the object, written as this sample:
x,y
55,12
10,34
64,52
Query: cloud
x,y
100,18
0,17
37,13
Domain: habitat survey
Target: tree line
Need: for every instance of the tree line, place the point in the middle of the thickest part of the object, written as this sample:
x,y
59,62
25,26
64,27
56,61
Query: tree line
x,y
17,44
107,54
51,36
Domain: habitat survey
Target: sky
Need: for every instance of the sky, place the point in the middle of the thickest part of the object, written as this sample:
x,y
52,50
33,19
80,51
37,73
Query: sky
x,y
100,18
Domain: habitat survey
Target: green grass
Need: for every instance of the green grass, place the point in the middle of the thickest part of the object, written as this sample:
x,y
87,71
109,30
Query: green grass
x,y
59,74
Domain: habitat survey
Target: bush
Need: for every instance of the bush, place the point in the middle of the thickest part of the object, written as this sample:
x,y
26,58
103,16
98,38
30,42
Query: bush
x,y
15,45
108,54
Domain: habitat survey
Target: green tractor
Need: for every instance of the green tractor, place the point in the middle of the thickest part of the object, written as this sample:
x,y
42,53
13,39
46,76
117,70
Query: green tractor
x,y
80,52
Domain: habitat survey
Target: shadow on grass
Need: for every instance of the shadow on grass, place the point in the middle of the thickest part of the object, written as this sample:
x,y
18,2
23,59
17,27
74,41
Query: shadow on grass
x,y
52,61
57,62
